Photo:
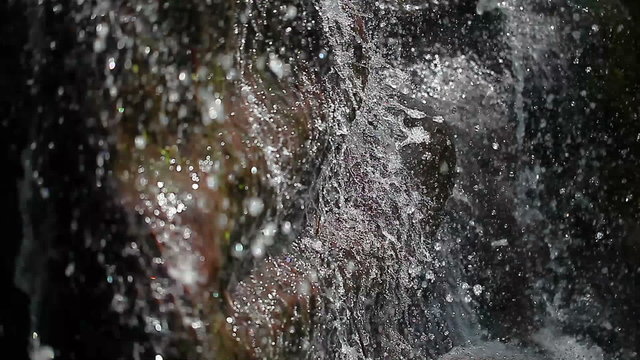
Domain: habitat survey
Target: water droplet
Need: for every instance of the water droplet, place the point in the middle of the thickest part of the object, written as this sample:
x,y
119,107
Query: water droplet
x,y
292,11
444,168
257,249
212,182
119,303
140,142
477,289
286,228
102,30
70,269
430,275
196,325
276,65
255,206
498,243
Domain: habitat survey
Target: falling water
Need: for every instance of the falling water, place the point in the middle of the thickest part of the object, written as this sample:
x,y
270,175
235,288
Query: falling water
x,y
329,179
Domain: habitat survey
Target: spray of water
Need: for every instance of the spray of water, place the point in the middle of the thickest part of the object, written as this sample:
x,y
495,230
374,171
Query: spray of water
x,y
309,181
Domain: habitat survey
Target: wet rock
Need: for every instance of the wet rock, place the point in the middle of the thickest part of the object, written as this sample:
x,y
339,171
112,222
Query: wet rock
x,y
430,159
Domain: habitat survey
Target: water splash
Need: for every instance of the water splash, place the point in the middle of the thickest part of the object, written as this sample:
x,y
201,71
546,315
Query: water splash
x,y
354,190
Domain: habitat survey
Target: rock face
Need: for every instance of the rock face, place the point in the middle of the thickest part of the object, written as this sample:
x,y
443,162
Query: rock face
x,y
429,156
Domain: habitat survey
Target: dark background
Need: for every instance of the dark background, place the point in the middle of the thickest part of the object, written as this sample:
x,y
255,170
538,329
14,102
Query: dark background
x,y
14,311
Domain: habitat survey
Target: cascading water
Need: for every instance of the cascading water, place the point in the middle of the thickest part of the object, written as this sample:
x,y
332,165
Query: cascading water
x,y
331,179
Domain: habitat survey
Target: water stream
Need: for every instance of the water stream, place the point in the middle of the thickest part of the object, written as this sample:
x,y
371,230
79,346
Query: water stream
x,y
335,179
